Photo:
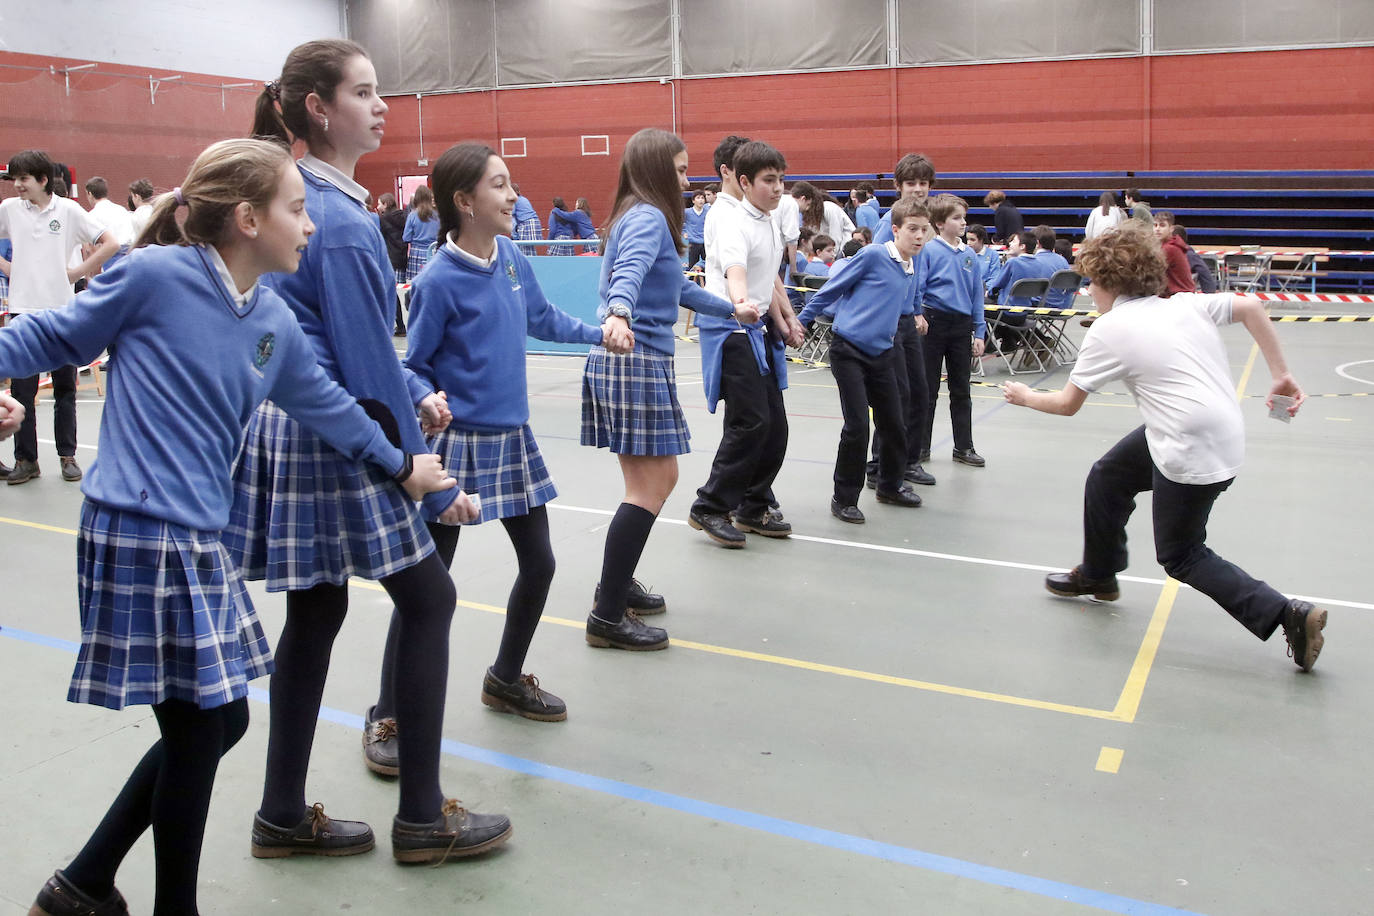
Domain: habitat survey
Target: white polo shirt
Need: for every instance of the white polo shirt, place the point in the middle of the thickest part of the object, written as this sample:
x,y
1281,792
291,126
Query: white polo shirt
x,y
788,218
745,237
43,241
116,219
1171,357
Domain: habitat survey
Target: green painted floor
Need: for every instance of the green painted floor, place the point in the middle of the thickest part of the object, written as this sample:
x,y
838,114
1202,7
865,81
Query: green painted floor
x,y
888,718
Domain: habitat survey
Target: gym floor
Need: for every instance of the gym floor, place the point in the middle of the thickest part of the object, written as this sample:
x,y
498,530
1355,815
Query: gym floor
x,y
894,717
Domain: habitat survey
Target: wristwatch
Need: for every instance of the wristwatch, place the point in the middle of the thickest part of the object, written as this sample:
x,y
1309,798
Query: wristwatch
x,y
620,311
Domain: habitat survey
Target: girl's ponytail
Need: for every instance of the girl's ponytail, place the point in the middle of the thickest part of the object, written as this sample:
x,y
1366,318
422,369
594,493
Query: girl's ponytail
x,y
162,228
267,120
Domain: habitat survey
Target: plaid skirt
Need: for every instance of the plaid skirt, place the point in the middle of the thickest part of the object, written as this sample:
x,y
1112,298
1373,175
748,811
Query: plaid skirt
x,y
304,514
418,257
629,404
505,469
528,231
164,615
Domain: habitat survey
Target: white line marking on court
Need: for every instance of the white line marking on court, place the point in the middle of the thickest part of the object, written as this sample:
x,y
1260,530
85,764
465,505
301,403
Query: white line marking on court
x,y
1340,370
957,558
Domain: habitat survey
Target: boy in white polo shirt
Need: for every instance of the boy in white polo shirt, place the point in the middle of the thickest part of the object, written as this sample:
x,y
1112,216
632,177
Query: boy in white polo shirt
x,y
1171,357
745,365
45,230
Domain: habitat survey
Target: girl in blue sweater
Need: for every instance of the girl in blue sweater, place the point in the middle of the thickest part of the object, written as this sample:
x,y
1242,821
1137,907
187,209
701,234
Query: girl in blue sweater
x,y
629,403
422,228
470,314
198,343
307,518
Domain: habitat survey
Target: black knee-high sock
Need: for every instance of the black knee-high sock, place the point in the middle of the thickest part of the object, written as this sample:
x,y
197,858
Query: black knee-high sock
x,y
93,870
529,534
446,544
181,800
313,618
625,541
424,597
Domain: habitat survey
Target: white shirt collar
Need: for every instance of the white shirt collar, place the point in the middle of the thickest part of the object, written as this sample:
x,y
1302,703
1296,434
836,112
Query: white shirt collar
x,y
52,202
957,247
452,246
321,169
897,256
240,299
754,211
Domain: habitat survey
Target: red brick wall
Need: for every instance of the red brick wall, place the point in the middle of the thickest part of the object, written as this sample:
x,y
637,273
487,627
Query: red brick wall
x,y
108,126
1263,110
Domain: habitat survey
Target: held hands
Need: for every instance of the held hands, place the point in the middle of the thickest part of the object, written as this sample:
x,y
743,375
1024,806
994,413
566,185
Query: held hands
x,y
461,511
11,415
796,334
616,335
922,326
1284,385
1015,393
74,274
427,476
434,414
746,313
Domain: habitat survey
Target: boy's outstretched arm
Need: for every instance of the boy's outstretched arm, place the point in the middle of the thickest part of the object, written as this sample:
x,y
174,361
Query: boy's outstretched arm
x,y
1251,313
1065,403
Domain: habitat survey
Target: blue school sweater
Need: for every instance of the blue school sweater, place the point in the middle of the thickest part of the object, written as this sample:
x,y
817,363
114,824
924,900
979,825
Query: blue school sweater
x,y
1054,261
187,370
818,268
523,212
989,263
578,223
467,334
948,280
420,231
1021,267
694,225
867,215
866,299
884,231
344,296
559,229
643,271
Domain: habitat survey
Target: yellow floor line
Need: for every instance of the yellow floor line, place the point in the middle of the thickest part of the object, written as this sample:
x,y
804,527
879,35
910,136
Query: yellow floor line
x,y
1128,704
784,661
1109,759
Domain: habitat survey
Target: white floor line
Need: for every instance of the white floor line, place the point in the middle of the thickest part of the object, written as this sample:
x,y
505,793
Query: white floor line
x,y
955,557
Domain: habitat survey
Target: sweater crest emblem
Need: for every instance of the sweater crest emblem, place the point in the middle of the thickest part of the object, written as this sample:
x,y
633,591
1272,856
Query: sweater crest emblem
x,y
263,352
510,274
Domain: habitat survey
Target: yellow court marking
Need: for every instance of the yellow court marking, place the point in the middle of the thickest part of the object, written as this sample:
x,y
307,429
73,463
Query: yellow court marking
x,y
1129,702
801,664
23,524
1109,759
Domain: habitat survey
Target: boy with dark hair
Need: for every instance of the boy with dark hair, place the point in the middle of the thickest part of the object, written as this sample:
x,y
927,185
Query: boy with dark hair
x,y
950,293
1139,208
746,366
867,301
1178,278
1051,263
912,176
866,212
1170,355
1021,264
45,229
109,214
1203,278
989,263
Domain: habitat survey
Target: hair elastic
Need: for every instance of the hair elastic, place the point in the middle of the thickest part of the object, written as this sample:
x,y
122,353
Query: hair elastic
x,y
273,90
176,193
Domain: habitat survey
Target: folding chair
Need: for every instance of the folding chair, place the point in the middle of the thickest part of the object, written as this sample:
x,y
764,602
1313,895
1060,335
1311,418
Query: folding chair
x,y
1243,272
1007,337
1303,272
1053,329
1214,265
816,347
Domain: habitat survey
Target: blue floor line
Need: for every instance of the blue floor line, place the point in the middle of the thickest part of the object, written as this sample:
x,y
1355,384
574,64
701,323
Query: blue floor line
x,y
819,836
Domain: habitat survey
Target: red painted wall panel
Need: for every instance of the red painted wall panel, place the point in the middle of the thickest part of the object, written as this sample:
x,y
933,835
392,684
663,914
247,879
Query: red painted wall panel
x,y
109,126
1263,110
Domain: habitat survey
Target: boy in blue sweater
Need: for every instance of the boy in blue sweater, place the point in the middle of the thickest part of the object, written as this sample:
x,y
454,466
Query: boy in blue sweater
x,y
950,290
867,301
912,177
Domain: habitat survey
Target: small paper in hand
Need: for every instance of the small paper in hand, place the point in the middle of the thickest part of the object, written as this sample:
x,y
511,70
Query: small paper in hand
x,y
1280,409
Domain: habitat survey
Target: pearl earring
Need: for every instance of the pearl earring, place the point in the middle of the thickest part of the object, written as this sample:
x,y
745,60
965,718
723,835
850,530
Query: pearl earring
x,y
326,125
471,215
